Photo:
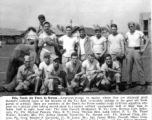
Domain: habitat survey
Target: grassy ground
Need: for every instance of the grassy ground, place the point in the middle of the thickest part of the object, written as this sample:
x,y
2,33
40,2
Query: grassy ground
x,y
7,50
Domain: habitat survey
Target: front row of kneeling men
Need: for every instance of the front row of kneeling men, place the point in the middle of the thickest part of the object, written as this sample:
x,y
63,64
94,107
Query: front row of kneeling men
x,y
53,78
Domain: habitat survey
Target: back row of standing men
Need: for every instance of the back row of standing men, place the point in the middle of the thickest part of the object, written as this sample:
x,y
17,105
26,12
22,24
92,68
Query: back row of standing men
x,y
79,68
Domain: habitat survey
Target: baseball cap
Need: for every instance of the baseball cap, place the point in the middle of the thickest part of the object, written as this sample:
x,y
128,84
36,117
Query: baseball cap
x,y
27,58
46,54
54,57
97,28
81,28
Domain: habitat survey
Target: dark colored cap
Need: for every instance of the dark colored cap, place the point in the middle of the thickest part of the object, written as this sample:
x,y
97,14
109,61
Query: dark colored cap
x,y
41,16
46,54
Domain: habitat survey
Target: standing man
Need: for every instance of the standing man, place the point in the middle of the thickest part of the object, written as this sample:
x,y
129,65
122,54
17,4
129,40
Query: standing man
x,y
134,54
41,19
98,45
116,45
47,41
84,44
69,44
111,72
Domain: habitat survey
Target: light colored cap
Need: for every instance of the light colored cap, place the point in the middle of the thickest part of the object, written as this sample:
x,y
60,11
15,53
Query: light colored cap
x,y
27,58
31,35
54,57
97,28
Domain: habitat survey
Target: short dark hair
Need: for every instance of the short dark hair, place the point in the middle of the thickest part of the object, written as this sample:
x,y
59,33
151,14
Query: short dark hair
x,y
41,16
46,23
69,27
131,23
74,54
113,25
107,55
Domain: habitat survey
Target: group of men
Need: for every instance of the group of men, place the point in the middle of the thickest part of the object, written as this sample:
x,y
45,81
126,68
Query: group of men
x,y
83,64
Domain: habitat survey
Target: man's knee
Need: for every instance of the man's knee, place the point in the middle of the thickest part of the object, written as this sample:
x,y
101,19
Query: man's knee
x,y
100,76
117,77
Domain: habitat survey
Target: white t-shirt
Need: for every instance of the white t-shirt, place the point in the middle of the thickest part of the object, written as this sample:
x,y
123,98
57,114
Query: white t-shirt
x,y
90,67
68,44
98,44
104,68
82,46
134,40
44,67
52,70
46,47
115,43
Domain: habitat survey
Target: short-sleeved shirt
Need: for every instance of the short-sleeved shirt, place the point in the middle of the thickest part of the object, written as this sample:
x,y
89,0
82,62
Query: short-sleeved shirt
x,y
52,70
105,67
68,44
115,43
98,44
134,40
46,47
72,70
90,67
44,67
24,72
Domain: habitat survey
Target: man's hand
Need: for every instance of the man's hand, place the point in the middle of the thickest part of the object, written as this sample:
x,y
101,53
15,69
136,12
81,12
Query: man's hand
x,y
76,77
141,51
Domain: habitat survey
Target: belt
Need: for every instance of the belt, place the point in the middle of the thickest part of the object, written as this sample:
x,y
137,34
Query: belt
x,y
135,48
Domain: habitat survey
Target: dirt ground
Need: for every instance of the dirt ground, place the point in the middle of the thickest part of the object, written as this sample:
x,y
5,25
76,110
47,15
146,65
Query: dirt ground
x,y
6,50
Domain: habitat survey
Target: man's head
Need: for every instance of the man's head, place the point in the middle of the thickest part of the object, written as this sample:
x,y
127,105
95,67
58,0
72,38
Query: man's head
x,y
27,60
68,30
46,26
114,29
47,58
55,60
91,56
108,59
41,18
98,32
82,32
74,57
131,26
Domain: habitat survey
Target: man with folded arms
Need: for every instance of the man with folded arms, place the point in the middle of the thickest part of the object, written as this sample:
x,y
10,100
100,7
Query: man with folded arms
x,y
91,73
134,54
116,46
69,43
111,73
98,45
72,69
47,41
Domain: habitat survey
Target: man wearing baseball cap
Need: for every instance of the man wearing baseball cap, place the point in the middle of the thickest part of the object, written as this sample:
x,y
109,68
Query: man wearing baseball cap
x,y
98,45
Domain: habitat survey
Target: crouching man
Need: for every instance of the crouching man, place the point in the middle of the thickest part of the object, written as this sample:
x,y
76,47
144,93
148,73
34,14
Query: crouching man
x,y
54,83
91,74
112,73
73,69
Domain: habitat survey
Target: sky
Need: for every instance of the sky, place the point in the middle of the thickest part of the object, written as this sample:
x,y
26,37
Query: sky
x,y
19,14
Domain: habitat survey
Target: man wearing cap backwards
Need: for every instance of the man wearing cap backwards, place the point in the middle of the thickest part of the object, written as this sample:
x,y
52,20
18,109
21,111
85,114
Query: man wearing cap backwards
x,y
98,45
72,69
134,54
47,41
43,73
116,45
69,43
84,44
91,72
41,19
54,82
112,73
26,78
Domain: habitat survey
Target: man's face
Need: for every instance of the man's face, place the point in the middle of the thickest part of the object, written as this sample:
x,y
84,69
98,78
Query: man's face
x,y
68,31
91,58
132,27
108,60
56,62
46,27
114,30
98,33
74,59
47,60
27,63
82,33
41,20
